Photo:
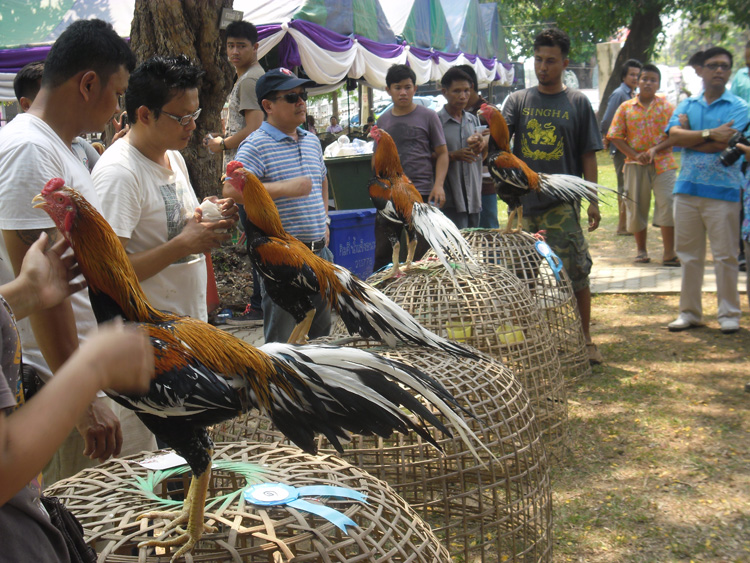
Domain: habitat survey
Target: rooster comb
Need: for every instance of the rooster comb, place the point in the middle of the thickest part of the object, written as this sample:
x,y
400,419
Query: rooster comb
x,y
53,185
232,166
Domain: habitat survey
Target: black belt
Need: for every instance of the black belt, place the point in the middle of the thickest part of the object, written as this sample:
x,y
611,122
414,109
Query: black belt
x,y
315,246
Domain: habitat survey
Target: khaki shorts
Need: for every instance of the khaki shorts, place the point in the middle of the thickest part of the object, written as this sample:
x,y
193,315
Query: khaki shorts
x,y
640,181
565,237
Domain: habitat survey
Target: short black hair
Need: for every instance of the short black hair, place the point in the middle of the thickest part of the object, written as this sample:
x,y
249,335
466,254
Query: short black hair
x,y
27,82
397,73
159,79
243,29
716,51
86,45
696,59
553,37
452,75
650,67
630,63
471,73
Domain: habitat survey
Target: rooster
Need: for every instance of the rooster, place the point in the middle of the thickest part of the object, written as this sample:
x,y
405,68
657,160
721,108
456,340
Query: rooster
x,y
205,375
399,202
293,274
514,179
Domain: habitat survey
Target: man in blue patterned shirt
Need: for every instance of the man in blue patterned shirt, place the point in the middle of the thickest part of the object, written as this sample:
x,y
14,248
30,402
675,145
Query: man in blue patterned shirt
x,y
289,162
707,194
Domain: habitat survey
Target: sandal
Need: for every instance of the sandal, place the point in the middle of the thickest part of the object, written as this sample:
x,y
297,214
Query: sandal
x,y
642,259
673,262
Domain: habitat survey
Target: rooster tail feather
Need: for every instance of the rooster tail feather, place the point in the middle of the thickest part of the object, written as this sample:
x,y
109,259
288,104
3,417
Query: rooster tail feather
x,y
369,312
571,188
443,236
359,392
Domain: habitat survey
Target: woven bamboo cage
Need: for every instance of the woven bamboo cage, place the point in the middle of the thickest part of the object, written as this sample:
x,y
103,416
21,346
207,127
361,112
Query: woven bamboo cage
x,y
107,499
553,293
494,312
488,509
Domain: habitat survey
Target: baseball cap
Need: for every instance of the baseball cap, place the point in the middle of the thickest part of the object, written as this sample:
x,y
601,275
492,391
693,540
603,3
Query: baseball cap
x,y
278,79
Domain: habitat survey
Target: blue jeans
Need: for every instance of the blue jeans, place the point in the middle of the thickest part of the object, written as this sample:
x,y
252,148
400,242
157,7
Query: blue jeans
x,y
278,324
488,216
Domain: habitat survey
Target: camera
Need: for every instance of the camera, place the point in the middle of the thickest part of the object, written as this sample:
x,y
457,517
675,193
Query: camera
x,y
731,154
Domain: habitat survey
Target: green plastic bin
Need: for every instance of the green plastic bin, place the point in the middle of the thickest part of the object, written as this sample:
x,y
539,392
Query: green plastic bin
x,y
348,177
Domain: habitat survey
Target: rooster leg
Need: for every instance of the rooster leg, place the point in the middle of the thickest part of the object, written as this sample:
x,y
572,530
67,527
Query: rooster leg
x,y
511,216
192,512
519,219
299,334
411,248
395,271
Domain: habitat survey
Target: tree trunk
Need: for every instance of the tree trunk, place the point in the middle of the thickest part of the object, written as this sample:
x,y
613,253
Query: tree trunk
x,y
644,28
191,27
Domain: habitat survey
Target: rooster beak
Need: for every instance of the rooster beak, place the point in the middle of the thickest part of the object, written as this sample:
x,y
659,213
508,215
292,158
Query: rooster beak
x,y
38,201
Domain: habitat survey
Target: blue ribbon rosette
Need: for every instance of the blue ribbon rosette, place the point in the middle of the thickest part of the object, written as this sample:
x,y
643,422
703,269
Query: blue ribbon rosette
x,y
278,494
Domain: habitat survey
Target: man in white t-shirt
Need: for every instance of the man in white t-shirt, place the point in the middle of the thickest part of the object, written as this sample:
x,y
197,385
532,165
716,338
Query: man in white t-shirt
x,y
85,72
145,190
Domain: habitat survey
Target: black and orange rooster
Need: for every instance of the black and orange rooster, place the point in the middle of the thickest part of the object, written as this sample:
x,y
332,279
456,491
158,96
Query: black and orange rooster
x,y
205,375
293,274
514,179
399,202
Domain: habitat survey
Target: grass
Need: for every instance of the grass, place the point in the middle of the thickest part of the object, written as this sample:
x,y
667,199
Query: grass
x,y
657,467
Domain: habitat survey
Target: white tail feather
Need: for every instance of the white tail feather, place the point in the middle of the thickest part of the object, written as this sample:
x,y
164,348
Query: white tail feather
x,y
443,236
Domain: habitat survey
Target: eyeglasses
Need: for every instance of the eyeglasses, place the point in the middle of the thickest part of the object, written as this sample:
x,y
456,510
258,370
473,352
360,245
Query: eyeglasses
x,y
184,120
292,97
718,66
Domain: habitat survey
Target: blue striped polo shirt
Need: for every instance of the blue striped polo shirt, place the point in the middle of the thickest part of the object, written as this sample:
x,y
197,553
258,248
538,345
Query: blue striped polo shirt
x,y
273,156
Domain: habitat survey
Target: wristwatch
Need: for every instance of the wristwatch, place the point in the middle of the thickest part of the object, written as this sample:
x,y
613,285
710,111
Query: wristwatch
x,y
706,134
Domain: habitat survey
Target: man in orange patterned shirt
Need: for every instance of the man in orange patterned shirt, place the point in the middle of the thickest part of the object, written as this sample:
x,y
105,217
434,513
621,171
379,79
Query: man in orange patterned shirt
x,y
637,130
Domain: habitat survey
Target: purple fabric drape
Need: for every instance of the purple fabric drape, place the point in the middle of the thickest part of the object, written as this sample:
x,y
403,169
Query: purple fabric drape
x,y
13,60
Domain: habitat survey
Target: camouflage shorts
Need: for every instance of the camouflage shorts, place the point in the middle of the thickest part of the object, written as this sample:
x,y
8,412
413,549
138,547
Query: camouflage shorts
x,y
566,238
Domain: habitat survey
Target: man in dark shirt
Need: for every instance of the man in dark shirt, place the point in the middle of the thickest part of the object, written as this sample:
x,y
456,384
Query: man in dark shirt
x,y
556,132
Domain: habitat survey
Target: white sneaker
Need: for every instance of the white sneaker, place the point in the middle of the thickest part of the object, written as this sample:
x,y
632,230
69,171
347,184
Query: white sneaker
x,y
729,326
682,323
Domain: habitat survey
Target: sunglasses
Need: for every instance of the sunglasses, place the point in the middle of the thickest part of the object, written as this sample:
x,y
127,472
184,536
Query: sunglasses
x,y
718,66
292,97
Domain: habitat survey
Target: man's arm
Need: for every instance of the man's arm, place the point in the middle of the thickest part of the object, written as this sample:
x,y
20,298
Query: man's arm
x,y
253,120
437,195
57,337
295,187
693,139
623,146
591,173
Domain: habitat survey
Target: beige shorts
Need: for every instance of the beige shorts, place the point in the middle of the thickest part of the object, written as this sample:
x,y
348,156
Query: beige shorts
x,y
640,181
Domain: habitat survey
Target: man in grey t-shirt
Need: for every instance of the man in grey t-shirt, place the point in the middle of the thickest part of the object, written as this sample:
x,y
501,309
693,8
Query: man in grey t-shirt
x,y
418,134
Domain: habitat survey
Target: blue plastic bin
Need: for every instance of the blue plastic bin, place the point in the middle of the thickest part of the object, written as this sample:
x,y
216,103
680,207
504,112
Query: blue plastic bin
x,y
353,240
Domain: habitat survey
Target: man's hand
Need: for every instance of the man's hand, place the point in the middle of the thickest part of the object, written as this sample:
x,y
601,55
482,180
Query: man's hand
x,y
684,121
723,132
121,128
594,216
744,148
200,237
213,144
437,196
465,154
101,431
47,275
647,156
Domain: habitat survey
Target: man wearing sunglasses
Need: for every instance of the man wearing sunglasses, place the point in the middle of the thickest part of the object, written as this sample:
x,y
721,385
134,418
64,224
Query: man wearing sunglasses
x,y
146,192
289,162
707,193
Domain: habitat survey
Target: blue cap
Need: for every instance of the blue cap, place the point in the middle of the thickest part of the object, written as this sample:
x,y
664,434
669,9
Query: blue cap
x,y
278,79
